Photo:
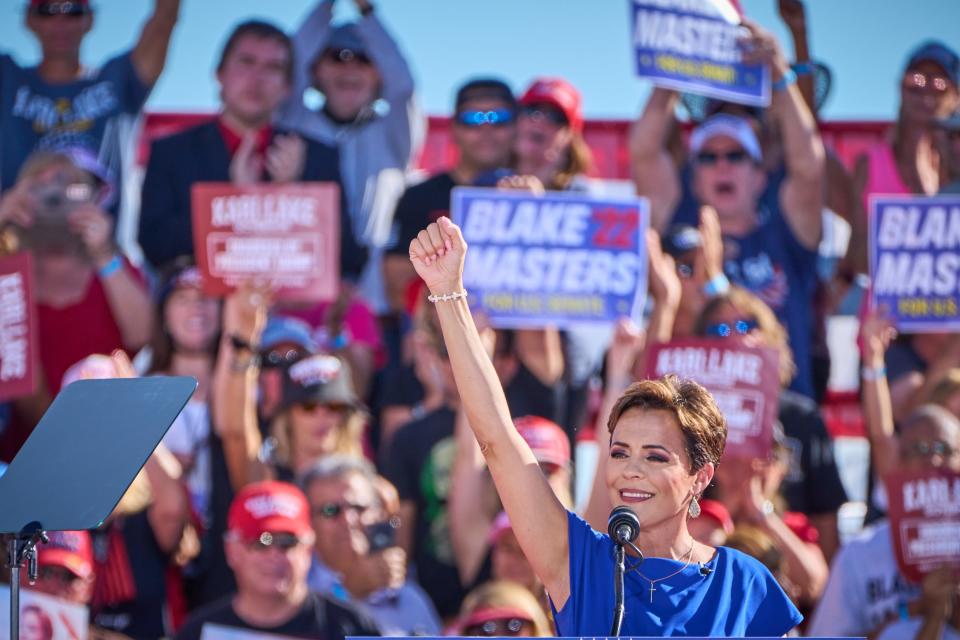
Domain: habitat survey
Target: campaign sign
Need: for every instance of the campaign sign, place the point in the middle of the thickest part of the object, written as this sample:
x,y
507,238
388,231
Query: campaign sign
x,y
745,382
691,45
18,332
559,259
288,235
915,261
43,616
924,520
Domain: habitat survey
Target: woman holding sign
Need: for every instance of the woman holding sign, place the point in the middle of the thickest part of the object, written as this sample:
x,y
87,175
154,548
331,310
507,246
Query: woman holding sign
x,y
666,436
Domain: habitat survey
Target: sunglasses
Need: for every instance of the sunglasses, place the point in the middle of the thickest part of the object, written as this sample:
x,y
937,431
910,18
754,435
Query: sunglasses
x,y
725,330
498,627
922,82
275,359
925,449
496,118
545,112
331,510
282,541
710,158
70,9
343,56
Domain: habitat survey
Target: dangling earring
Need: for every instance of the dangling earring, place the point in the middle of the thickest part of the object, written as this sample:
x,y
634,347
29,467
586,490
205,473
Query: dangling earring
x,y
694,508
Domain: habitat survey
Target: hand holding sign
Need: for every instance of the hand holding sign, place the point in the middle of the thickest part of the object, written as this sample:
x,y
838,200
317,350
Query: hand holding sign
x,y
876,334
17,205
761,47
437,254
940,587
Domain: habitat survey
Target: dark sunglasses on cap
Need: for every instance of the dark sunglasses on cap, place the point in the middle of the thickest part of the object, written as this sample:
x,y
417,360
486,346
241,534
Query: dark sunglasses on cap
x,y
498,627
545,112
725,330
924,82
710,158
66,8
924,449
496,118
282,541
331,510
343,56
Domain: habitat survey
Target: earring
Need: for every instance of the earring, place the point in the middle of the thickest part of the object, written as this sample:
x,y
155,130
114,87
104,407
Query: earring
x,y
694,508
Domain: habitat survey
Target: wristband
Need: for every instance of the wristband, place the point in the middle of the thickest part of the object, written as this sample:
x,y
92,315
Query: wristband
x,y
340,341
717,286
446,297
903,611
107,270
802,68
239,344
872,374
789,78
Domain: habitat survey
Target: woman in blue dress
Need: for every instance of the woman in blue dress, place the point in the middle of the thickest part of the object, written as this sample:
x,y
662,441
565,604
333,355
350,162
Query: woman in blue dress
x,y
666,437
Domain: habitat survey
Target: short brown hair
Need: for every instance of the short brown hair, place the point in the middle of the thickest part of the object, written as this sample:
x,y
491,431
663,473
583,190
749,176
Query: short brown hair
x,y
773,332
691,405
262,31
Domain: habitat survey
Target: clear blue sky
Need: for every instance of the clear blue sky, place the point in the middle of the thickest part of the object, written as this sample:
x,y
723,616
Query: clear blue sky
x,y
587,41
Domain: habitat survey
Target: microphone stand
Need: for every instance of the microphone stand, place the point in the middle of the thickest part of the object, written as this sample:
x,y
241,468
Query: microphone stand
x,y
618,571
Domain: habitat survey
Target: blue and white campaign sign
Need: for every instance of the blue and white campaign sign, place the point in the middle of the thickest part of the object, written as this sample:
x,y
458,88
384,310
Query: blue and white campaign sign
x,y
915,261
559,259
691,45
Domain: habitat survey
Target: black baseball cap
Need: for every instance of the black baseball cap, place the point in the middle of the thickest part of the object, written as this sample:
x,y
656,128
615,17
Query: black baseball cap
x,y
485,88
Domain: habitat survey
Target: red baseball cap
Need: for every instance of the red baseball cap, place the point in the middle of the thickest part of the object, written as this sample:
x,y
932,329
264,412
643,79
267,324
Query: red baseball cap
x,y
716,511
270,506
559,94
72,550
549,442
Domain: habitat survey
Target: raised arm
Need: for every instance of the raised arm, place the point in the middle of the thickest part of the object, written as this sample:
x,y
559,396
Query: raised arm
x,y
234,408
537,517
308,42
653,169
801,195
794,15
876,334
150,53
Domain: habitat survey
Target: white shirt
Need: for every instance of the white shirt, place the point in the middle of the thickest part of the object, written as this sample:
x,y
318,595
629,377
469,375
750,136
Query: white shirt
x,y
908,629
865,586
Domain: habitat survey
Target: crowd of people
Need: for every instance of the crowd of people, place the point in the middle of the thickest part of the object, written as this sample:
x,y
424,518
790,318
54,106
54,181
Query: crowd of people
x,y
325,480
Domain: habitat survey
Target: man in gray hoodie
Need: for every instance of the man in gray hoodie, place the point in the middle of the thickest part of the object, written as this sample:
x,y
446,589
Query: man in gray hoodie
x,y
368,111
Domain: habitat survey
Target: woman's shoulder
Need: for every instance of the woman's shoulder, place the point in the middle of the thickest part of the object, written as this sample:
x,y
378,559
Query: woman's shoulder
x,y
748,568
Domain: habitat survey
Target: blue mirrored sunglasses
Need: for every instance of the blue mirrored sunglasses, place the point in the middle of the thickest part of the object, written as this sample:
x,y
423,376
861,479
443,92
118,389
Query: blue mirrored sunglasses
x,y
725,330
497,117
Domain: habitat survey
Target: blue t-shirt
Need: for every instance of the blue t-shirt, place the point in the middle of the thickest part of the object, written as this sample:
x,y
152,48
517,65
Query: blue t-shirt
x,y
96,112
772,264
738,597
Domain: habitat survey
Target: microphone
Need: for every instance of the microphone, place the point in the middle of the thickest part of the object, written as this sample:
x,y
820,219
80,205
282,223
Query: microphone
x,y
705,570
623,525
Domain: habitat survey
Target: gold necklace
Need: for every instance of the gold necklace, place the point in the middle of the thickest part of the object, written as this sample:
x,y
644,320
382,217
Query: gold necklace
x,y
653,583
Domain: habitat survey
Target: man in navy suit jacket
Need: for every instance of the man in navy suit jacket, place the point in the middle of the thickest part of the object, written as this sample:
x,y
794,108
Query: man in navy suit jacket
x,y
240,146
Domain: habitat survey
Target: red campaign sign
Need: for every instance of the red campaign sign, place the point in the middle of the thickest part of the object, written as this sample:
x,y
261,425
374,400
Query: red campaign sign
x,y
745,381
924,512
286,234
18,327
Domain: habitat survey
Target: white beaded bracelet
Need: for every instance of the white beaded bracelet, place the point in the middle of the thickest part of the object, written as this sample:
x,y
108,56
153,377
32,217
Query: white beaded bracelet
x,y
456,295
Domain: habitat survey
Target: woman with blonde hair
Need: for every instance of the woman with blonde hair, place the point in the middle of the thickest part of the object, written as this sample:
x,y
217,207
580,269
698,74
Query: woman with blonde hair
x,y
502,608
